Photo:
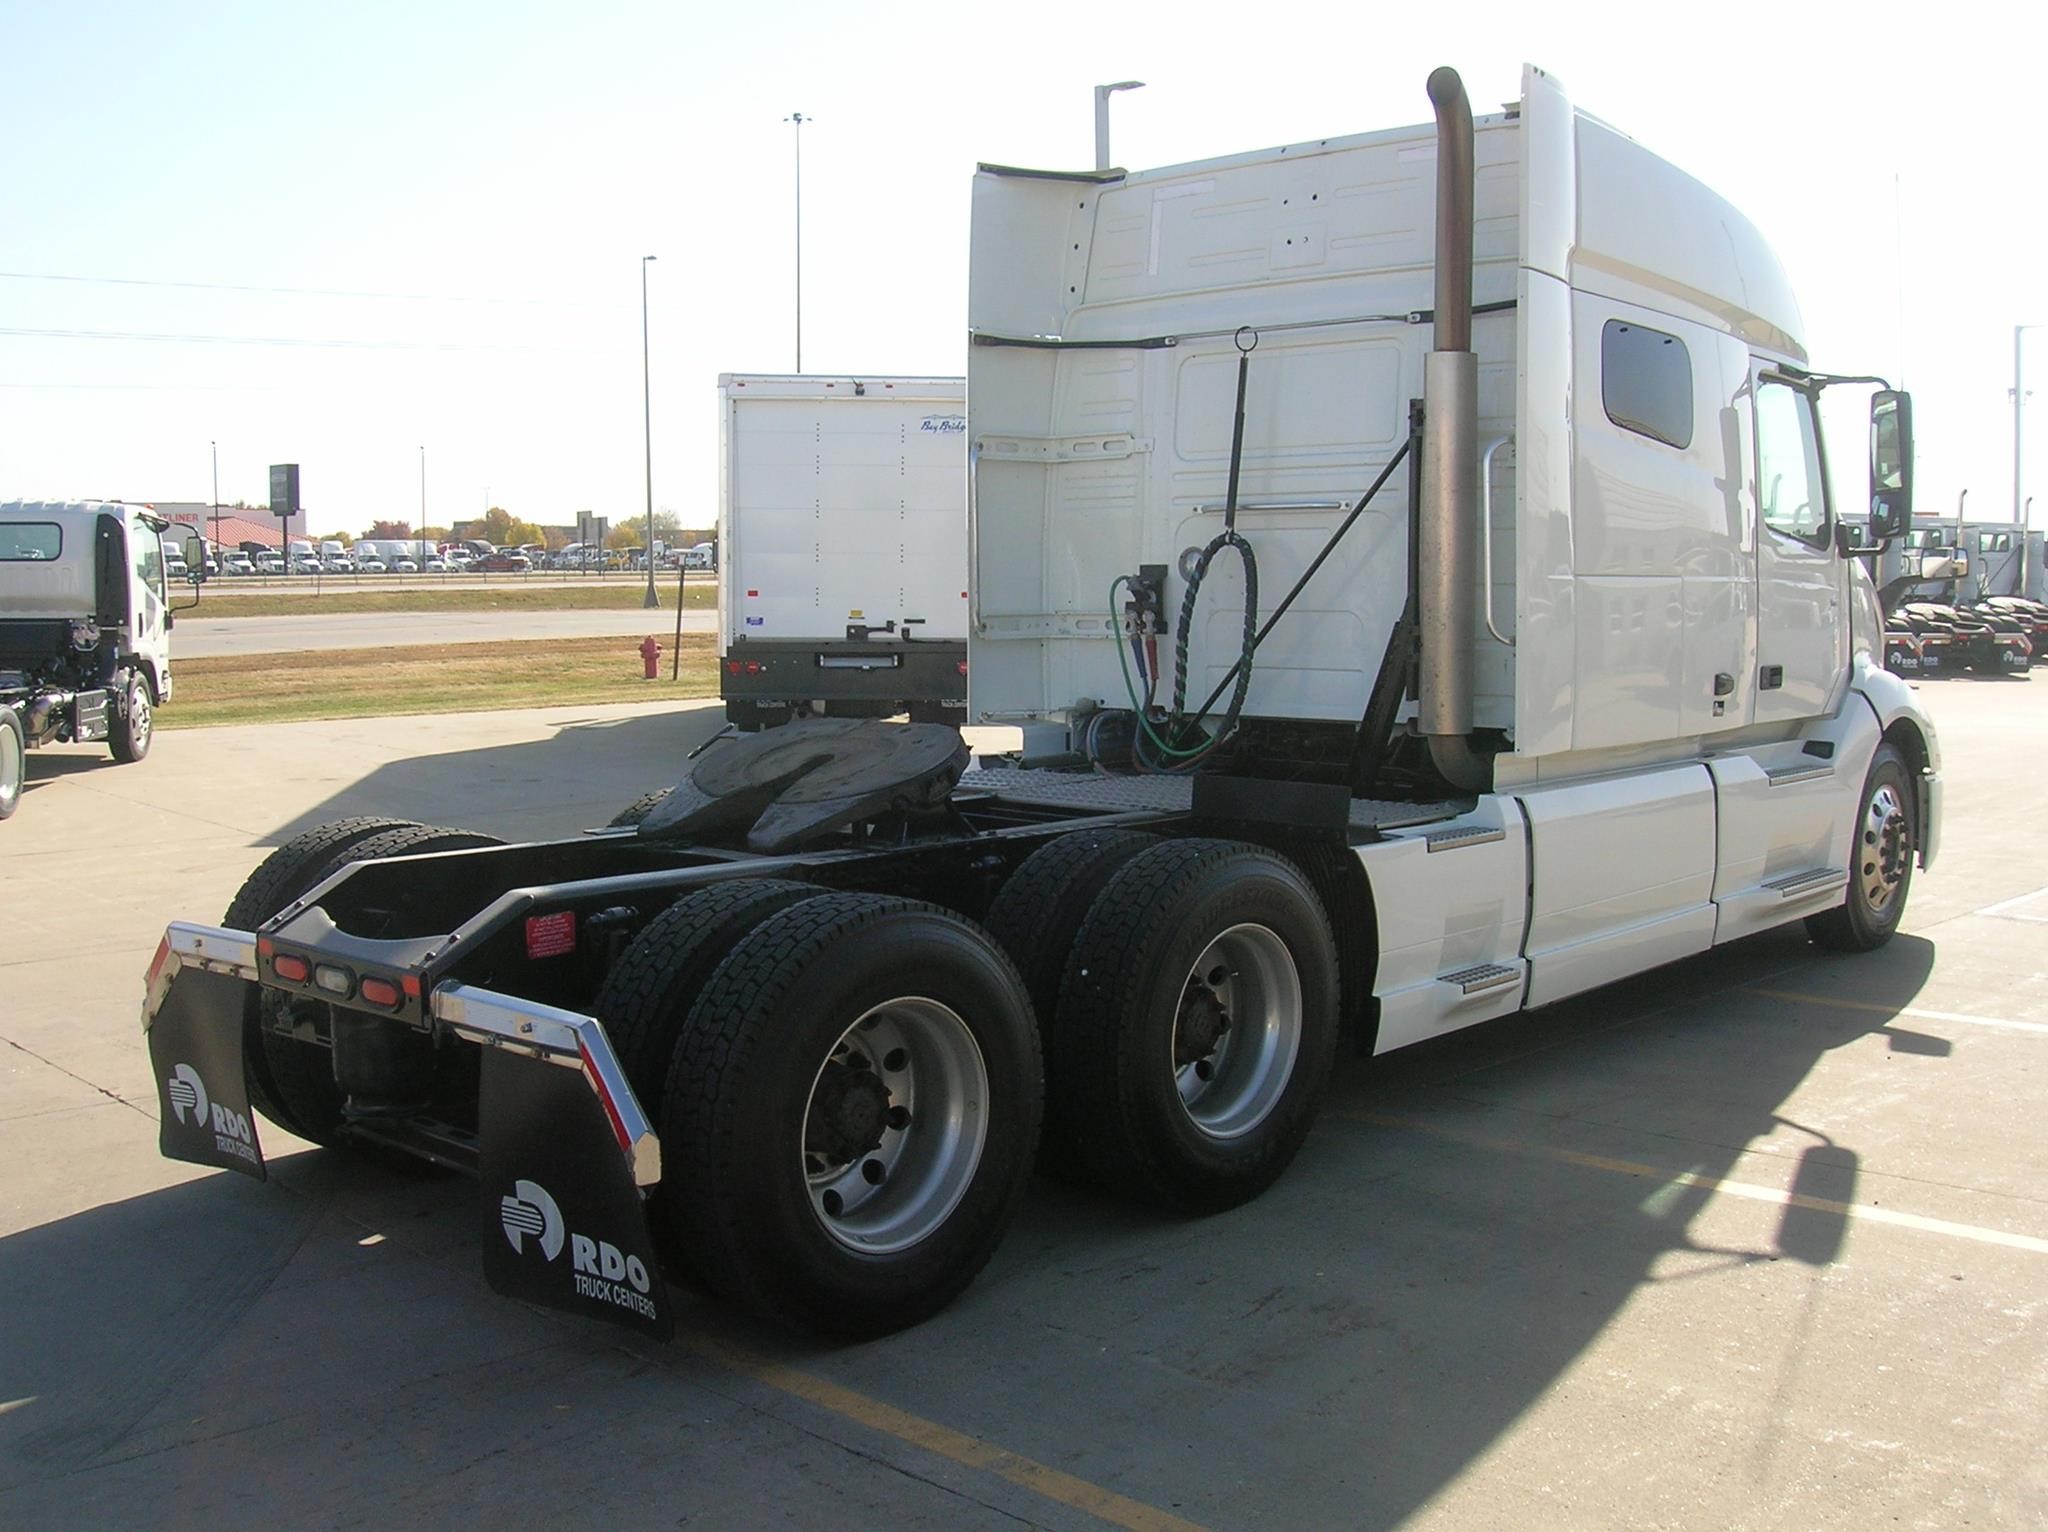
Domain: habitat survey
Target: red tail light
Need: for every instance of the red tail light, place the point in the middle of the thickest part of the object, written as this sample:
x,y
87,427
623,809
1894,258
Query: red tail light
x,y
380,992
294,970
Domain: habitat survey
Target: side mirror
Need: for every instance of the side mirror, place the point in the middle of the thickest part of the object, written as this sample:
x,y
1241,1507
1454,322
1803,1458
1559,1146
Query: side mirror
x,y
1891,464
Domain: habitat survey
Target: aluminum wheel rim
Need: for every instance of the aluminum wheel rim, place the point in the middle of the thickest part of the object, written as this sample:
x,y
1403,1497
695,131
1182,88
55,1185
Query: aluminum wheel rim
x,y
1886,848
899,1190
13,766
139,720
1231,1081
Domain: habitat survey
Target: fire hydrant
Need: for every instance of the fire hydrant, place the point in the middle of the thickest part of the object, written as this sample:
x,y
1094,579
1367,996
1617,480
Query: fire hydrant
x,y
650,651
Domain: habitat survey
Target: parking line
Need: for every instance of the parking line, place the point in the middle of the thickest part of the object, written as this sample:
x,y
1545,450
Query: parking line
x,y
1861,1212
1900,1010
968,1451
2005,905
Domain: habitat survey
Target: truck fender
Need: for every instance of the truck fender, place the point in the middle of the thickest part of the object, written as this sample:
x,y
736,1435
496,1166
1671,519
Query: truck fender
x,y
1908,729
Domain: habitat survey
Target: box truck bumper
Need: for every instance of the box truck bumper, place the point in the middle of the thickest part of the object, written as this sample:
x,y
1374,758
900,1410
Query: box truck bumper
x,y
834,670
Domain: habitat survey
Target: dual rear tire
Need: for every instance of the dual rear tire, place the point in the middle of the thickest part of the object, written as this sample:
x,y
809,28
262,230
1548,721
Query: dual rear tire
x,y
849,1098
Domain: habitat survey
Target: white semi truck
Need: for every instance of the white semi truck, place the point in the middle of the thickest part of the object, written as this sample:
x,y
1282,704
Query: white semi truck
x,y
1410,560
842,548
85,622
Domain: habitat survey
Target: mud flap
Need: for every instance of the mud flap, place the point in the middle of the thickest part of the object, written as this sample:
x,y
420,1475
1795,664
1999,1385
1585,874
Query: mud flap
x,y
195,1051
566,1226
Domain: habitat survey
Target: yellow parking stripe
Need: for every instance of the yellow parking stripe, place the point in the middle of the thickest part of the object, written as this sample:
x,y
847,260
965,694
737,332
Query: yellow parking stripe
x,y
958,1446
1861,1212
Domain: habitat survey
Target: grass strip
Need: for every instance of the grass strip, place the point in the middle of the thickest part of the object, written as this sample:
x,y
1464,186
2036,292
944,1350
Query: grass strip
x,y
429,678
341,596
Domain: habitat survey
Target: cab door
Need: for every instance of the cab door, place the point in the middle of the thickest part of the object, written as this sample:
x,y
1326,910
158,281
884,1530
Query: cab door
x,y
149,605
1802,621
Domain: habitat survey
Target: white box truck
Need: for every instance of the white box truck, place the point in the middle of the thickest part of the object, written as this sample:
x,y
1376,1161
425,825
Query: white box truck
x,y
1389,661
85,629
842,548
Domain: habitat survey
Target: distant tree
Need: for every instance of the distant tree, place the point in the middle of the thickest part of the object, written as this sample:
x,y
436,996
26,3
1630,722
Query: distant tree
x,y
344,538
501,527
389,529
627,537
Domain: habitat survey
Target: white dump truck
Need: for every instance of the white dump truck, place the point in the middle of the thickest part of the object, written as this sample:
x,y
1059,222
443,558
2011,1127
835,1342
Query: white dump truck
x,y
1410,562
842,548
85,622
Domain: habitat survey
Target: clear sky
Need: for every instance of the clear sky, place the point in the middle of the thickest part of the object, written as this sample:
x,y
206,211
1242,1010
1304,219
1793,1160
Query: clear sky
x,y
336,235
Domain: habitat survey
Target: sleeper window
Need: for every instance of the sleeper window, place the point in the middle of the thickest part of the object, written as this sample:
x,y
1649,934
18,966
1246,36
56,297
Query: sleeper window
x,y
1646,382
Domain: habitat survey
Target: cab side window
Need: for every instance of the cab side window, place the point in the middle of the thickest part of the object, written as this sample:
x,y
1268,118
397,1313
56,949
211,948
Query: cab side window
x,y
149,559
1791,489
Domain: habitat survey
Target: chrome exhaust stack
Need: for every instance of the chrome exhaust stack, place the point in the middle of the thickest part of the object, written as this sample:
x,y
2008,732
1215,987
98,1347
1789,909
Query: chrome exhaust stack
x,y
1447,536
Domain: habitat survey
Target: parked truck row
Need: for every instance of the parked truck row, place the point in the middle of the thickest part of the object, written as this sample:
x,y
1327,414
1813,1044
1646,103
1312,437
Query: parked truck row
x,y
1417,608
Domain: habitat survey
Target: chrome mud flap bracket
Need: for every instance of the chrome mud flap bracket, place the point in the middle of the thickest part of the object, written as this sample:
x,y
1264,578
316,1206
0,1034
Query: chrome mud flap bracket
x,y
192,1013
564,1153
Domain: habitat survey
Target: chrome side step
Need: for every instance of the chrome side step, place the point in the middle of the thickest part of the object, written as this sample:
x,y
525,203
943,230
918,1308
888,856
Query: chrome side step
x,y
1793,884
1482,977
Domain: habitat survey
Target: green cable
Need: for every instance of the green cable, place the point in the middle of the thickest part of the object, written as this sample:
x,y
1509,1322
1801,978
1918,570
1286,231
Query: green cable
x,y
1131,686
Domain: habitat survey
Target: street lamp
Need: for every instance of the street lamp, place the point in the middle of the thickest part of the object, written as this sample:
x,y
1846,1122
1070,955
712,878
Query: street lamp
x,y
1102,95
423,508
2019,398
216,497
799,119
651,600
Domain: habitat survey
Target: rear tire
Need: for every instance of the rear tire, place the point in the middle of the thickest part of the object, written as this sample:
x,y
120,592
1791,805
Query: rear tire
x,y
279,879
851,1114
1880,862
134,724
638,809
1197,1024
292,1078
1035,918
13,761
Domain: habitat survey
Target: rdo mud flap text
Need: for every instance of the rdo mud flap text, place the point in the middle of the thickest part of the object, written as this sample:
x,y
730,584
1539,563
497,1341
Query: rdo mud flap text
x,y
566,1226
195,1051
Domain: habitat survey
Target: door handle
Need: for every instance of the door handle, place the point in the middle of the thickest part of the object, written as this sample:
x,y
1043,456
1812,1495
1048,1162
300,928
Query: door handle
x,y
1770,678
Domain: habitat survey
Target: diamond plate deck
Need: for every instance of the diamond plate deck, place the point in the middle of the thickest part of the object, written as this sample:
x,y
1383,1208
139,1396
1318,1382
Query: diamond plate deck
x,y
1162,795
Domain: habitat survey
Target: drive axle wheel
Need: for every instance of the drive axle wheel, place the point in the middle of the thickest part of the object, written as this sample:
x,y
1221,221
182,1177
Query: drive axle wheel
x,y
13,760
850,1117
1880,862
291,1078
1197,1024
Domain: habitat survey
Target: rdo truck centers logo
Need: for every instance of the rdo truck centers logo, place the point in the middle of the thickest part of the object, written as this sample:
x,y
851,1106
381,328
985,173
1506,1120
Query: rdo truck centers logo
x,y
231,1131
599,1269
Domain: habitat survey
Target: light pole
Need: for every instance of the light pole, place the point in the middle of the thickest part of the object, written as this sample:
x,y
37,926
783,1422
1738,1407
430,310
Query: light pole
x,y
799,119
1102,95
651,600
423,508
216,496
2019,398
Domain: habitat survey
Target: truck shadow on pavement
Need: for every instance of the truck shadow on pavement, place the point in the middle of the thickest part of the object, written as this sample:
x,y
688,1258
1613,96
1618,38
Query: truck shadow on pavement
x,y
1467,1222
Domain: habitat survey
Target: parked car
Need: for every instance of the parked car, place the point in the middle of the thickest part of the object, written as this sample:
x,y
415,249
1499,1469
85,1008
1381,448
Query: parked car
x,y
502,563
